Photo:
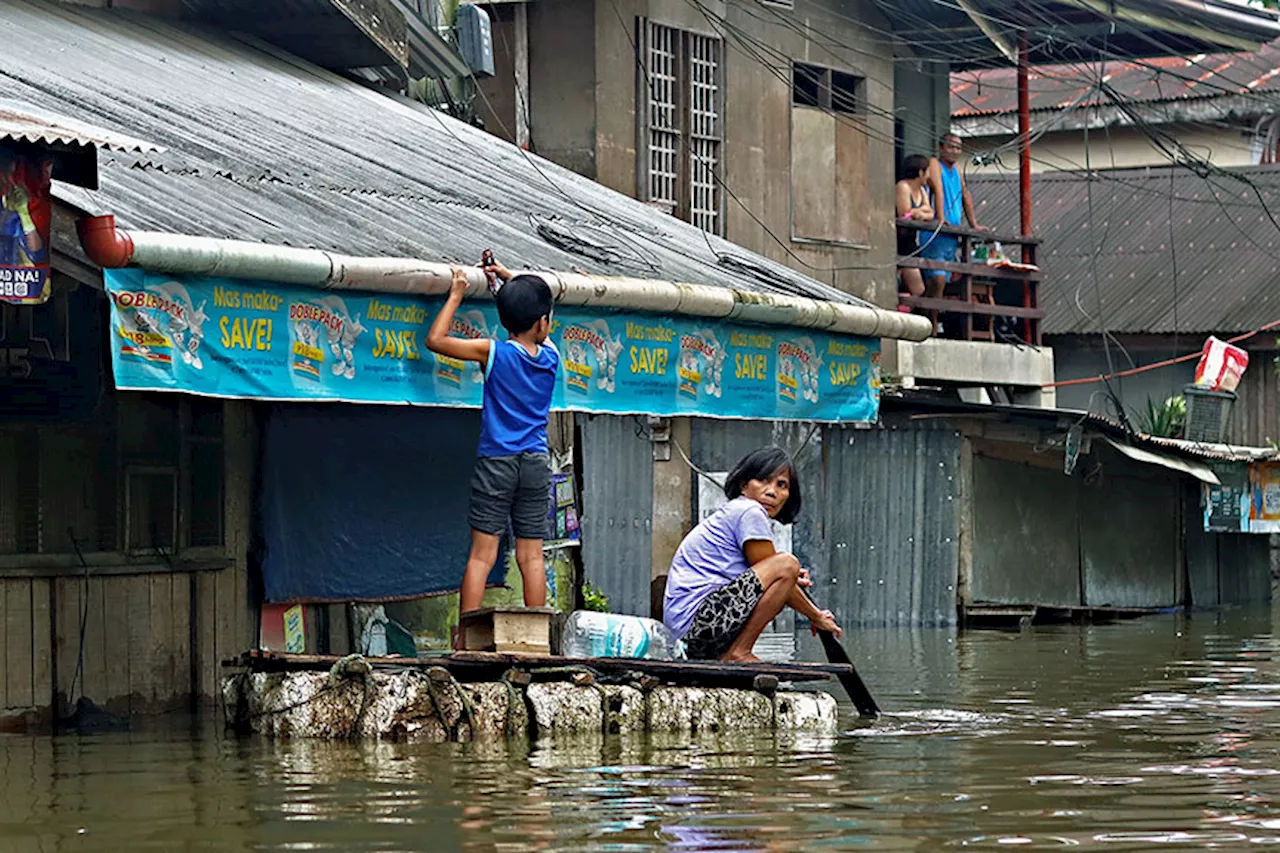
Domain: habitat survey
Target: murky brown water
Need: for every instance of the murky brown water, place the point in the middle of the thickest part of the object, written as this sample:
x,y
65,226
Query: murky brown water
x,y
1156,734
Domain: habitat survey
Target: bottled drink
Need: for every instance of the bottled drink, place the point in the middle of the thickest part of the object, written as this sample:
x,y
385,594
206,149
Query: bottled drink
x,y
591,634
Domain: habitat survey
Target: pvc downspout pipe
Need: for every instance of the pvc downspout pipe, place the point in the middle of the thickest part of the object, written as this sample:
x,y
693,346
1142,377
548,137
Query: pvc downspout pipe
x,y
111,247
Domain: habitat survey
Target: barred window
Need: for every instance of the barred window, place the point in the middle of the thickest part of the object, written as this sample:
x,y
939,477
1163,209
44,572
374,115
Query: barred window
x,y
683,132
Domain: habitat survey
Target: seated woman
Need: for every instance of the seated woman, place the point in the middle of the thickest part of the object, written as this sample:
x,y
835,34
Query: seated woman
x,y
726,582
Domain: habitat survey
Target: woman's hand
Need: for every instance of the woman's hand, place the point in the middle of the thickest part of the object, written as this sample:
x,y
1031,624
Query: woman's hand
x,y
804,580
825,621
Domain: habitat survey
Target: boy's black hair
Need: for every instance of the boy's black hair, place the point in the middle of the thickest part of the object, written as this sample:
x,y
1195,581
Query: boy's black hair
x,y
760,465
522,302
913,165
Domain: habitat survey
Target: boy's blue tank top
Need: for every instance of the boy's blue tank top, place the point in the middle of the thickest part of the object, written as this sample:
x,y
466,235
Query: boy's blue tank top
x,y
517,398
952,195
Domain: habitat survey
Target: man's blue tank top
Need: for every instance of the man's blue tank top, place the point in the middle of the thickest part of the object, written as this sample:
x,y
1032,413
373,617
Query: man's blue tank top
x,y
517,398
952,195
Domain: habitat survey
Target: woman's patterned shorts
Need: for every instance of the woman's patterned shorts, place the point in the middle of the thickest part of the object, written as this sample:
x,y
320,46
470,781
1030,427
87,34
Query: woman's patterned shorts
x,y
722,617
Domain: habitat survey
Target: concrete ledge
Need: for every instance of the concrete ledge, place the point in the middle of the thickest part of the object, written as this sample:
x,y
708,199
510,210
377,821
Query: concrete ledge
x,y
413,706
967,363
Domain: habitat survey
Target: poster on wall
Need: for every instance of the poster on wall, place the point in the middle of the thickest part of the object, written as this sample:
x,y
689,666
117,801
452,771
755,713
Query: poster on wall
x,y
1264,497
25,220
255,340
562,514
1226,505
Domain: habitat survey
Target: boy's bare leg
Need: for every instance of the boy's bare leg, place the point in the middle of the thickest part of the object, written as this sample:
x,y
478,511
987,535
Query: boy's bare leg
x,y
484,553
778,575
533,570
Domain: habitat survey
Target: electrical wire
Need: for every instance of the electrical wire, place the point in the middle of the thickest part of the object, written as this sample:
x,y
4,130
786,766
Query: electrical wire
x,y
1087,380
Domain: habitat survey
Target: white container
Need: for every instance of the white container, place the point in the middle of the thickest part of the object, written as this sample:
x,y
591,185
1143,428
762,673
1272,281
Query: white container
x,y
591,634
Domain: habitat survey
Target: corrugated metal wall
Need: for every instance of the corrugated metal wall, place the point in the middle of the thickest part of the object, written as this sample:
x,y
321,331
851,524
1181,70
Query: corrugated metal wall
x,y
1026,534
718,445
617,505
892,521
1129,534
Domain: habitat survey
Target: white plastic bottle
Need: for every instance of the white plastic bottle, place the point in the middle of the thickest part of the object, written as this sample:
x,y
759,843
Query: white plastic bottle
x,y
591,634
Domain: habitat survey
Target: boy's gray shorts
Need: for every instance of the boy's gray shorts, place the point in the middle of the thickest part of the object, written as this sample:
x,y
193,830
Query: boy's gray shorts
x,y
515,487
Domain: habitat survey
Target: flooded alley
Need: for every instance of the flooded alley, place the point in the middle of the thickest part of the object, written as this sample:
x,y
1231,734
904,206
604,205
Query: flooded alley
x,y
1159,733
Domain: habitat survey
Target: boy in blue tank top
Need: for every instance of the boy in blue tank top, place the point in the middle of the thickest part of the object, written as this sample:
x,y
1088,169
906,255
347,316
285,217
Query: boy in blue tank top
x,y
512,477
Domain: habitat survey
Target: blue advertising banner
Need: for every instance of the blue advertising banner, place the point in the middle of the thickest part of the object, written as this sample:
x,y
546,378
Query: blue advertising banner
x,y
256,340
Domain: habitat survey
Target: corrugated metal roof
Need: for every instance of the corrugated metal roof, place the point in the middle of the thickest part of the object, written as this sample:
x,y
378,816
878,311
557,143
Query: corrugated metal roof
x,y
1166,78
22,122
1072,31
1226,246
265,147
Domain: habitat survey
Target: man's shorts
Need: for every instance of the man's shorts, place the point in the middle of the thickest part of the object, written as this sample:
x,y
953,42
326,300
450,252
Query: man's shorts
x,y
722,617
942,247
511,487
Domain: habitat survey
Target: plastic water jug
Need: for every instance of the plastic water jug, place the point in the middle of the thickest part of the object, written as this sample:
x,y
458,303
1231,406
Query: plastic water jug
x,y
591,634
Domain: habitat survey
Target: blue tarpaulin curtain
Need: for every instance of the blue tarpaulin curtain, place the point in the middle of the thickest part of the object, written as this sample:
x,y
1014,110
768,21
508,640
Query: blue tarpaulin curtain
x,y
365,503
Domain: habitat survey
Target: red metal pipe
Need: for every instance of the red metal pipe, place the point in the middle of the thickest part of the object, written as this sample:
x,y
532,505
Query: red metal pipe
x,y
103,243
1024,137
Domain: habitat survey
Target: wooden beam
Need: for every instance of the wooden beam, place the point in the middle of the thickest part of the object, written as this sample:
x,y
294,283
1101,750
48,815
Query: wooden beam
x,y
959,306
975,270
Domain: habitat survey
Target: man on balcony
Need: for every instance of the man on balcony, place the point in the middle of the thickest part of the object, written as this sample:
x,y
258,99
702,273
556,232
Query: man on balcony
x,y
950,197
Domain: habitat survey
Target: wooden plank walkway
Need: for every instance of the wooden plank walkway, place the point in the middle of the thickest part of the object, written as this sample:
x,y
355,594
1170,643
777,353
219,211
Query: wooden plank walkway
x,y
490,666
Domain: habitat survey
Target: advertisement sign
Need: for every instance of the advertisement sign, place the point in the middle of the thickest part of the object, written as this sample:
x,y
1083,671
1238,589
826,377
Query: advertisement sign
x,y
562,514
1264,497
256,340
1226,505
25,219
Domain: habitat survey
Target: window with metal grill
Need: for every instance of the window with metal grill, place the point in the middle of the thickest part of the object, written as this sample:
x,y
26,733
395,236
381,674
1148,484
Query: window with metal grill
x,y
682,133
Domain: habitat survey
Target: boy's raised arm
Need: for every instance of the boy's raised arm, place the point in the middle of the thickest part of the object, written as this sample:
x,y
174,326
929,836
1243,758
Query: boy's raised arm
x,y
438,338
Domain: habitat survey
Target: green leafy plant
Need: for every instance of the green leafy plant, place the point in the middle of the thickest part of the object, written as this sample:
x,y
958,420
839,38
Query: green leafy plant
x,y
1164,419
594,599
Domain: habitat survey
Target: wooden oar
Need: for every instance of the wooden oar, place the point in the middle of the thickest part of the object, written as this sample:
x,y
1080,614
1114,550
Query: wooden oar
x,y
850,680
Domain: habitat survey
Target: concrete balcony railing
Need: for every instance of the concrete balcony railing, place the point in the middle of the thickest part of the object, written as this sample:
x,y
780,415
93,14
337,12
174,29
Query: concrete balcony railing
x,y
980,292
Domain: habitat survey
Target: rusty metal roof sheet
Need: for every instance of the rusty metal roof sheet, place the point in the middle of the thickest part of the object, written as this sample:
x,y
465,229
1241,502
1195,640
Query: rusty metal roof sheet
x,y
993,91
264,146
1226,247
24,122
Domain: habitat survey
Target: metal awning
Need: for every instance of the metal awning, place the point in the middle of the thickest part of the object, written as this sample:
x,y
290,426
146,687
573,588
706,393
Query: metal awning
x,y
382,40
980,33
72,145
25,123
1198,470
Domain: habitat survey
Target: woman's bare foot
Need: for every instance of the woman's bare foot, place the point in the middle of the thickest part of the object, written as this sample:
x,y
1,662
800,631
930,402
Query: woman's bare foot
x,y
733,657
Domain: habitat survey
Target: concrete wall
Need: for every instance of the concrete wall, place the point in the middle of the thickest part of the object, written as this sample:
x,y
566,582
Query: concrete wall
x,y
562,83
584,115
922,103
1116,148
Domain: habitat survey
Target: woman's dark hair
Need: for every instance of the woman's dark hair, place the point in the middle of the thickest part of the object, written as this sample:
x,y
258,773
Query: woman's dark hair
x,y
761,465
523,301
913,165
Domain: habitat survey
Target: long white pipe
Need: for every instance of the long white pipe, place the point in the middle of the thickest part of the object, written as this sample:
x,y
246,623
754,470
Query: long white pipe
x,y
180,253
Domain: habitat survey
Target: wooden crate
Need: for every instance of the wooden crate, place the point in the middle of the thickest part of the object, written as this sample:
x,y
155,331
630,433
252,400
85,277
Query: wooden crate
x,y
508,629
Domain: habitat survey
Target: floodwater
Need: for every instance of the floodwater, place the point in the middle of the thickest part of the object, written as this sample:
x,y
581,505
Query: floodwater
x,y
1154,734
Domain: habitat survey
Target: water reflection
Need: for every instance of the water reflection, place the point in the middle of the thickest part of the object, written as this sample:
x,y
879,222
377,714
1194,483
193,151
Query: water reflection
x,y
1160,733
